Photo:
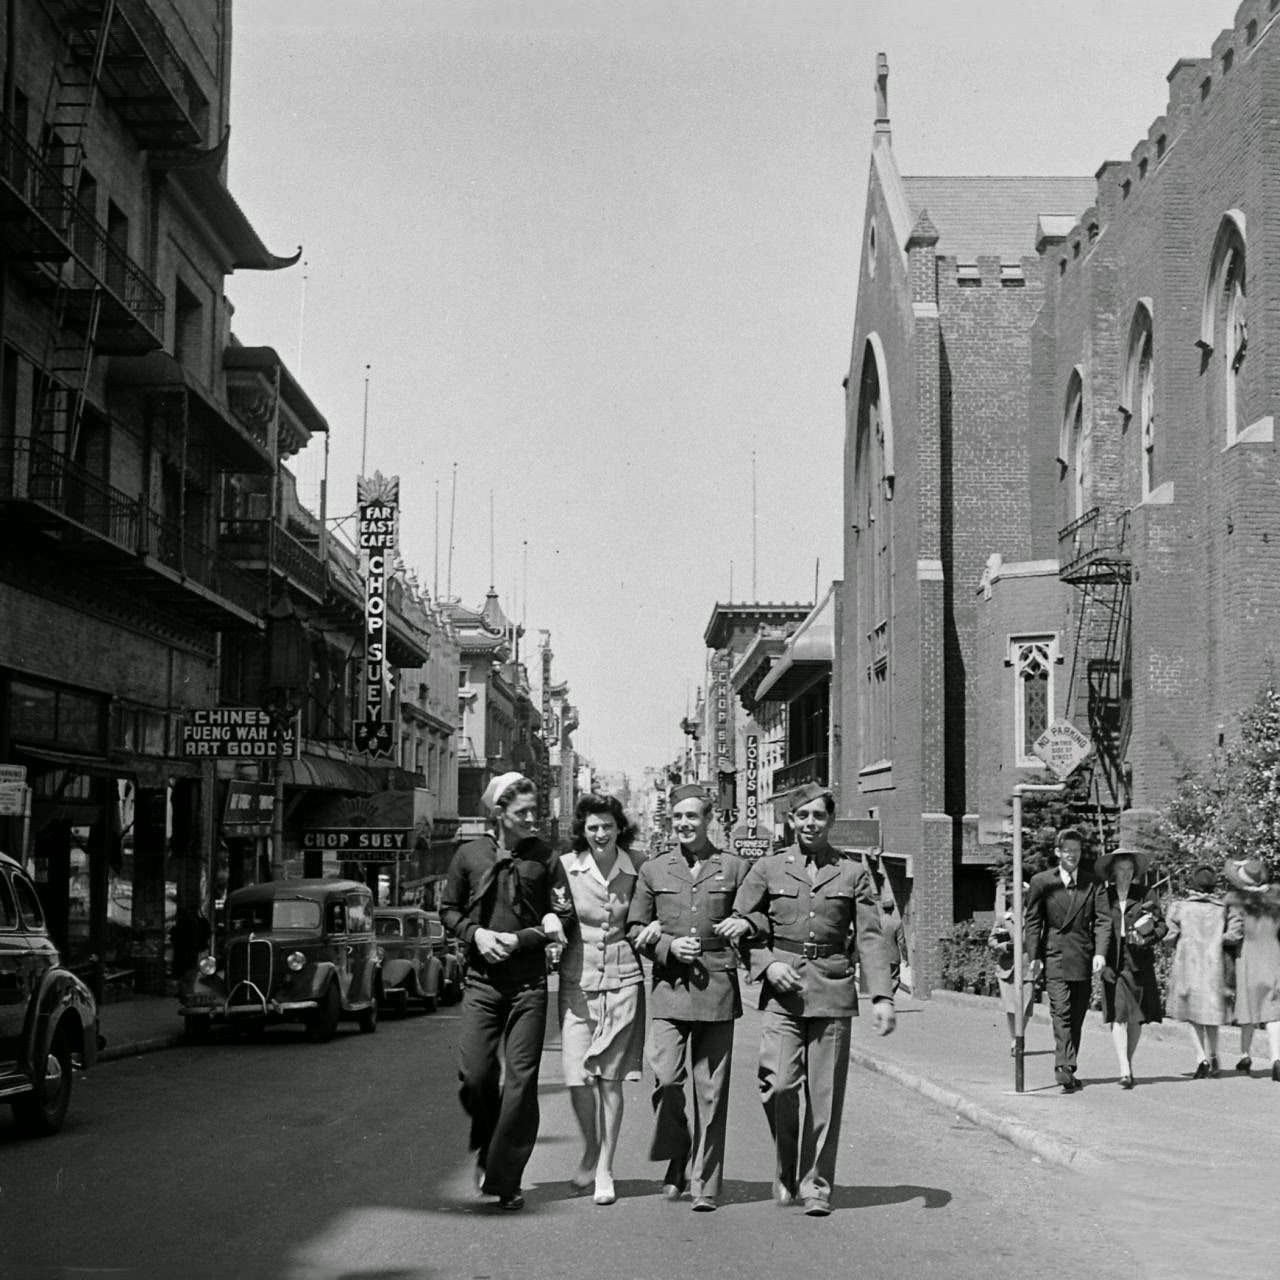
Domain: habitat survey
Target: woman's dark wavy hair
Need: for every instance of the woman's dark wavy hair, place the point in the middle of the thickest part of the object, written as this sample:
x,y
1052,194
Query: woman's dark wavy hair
x,y
593,802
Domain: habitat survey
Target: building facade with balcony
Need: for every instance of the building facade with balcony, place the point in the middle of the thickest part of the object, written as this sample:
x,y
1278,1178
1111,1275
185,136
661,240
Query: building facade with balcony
x,y
116,434
149,528
741,640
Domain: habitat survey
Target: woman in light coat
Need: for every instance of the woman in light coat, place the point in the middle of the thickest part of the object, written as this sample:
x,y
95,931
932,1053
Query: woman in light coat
x,y
1202,979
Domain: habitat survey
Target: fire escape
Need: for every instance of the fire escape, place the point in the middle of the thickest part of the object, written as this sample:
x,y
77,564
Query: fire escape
x,y
1093,558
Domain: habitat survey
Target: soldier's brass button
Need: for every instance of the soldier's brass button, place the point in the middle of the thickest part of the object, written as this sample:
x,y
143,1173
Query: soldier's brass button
x,y
811,933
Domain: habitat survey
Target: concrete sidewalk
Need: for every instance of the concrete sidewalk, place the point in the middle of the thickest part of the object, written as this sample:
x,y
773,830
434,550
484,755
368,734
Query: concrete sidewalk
x,y
954,1050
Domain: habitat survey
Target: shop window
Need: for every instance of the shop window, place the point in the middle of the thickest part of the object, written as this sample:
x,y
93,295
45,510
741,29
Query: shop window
x,y
47,713
1033,659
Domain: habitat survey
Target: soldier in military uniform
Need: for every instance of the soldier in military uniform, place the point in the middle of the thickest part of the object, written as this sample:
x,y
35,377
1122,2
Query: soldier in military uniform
x,y
811,908
680,917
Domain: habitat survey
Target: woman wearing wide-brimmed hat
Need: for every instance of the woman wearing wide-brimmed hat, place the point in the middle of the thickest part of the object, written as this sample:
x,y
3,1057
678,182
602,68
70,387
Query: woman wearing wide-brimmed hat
x,y
1130,990
1258,965
1202,978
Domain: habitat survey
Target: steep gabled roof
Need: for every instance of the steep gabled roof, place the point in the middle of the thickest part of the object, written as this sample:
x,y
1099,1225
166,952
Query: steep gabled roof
x,y
994,216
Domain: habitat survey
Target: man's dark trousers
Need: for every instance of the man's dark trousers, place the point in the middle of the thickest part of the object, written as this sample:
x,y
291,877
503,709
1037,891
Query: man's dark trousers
x,y
1068,1004
503,1107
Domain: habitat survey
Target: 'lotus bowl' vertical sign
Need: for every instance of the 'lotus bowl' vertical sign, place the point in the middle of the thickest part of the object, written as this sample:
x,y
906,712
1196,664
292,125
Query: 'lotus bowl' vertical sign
x,y
378,497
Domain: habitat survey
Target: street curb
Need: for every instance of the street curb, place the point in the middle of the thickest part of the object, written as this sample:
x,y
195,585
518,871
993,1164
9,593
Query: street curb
x,y
113,1052
1169,1030
1054,1150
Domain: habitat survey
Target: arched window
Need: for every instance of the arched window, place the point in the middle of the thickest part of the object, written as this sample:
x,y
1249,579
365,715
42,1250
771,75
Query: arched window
x,y
1073,450
1224,328
1140,396
873,489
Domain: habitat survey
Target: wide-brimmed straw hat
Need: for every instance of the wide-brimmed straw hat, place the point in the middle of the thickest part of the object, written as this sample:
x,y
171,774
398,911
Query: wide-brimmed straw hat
x,y
1247,874
1140,839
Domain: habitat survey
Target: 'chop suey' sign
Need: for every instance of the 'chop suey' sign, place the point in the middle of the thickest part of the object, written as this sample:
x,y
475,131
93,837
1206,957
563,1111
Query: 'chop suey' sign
x,y
379,502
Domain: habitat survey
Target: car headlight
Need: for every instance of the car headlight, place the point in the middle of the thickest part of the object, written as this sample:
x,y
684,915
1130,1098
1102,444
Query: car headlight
x,y
295,960
380,954
208,966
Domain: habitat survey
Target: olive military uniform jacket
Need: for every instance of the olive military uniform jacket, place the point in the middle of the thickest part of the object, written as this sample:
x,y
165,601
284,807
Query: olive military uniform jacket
x,y
818,928
688,902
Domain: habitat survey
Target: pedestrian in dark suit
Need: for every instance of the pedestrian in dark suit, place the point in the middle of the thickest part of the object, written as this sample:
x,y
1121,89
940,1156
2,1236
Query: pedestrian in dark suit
x,y
680,917
505,897
812,908
1067,935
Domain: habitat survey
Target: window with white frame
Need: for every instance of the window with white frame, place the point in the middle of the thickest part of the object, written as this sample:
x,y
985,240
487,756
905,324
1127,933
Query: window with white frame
x,y
1033,659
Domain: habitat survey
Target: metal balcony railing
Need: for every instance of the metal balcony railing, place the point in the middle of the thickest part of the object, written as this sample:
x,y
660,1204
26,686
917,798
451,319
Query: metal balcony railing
x,y
99,260
34,473
32,181
259,542
812,768
194,559
37,473
1092,548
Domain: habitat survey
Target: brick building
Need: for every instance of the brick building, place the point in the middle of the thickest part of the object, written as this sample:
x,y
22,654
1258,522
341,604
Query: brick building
x,y
1060,472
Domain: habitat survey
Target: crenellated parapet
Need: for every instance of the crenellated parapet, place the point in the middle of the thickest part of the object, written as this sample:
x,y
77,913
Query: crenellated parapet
x,y
1192,84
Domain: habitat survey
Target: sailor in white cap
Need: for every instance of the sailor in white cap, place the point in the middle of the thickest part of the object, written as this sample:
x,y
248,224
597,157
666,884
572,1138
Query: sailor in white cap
x,y
504,898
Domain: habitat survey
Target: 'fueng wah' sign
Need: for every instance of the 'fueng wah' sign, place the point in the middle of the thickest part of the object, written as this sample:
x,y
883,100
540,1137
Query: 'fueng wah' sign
x,y
379,503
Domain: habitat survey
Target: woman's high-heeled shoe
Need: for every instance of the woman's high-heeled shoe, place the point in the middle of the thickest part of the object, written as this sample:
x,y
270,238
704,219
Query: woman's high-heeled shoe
x,y
580,1186
1245,1065
1126,1082
1214,1070
605,1193
1202,1069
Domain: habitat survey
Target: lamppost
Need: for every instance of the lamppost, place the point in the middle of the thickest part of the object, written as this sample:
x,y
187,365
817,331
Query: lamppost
x,y
288,667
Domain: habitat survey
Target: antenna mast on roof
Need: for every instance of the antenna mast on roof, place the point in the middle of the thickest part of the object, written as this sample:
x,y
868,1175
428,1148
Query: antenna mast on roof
x,y
435,579
754,593
453,506
364,429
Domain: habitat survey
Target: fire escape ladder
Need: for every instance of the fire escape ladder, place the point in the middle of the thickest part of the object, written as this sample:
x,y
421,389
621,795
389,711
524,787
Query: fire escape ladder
x,y
1093,558
1109,690
68,358
72,92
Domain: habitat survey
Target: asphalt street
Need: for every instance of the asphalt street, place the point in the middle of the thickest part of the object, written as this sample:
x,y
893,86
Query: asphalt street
x,y
317,1162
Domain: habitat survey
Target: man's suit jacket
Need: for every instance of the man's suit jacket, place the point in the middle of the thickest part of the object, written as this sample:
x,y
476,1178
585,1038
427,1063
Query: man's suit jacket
x,y
1065,927
687,904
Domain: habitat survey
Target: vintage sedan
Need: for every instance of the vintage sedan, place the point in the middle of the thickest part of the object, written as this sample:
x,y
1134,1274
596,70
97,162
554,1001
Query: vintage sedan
x,y
412,963
450,951
295,950
48,1017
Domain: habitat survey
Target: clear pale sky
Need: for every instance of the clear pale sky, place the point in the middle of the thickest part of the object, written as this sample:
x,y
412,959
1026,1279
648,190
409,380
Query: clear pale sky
x,y
598,251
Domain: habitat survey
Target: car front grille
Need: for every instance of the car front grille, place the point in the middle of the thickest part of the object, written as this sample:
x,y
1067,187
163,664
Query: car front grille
x,y
249,960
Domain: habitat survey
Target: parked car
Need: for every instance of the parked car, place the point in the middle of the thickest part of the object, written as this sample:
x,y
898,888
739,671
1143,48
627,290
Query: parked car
x,y
48,1017
451,959
295,950
412,963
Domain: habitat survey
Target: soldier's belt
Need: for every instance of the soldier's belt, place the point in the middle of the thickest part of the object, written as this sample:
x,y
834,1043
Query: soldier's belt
x,y
809,950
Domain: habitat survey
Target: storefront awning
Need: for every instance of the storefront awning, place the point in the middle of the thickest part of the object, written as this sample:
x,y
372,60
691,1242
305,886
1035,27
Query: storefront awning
x,y
317,772
808,654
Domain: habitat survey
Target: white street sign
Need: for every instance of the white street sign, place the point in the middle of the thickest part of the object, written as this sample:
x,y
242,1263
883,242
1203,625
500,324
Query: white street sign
x,y
13,790
1062,747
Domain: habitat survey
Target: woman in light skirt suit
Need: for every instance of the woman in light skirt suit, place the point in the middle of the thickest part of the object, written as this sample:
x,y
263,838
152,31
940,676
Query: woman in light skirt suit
x,y
602,1019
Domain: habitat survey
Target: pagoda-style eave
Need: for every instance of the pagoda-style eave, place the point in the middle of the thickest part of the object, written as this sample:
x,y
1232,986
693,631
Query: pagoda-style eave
x,y
198,174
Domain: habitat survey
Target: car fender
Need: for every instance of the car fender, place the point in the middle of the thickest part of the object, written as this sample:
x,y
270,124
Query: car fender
x,y
321,974
62,1002
398,973
432,978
